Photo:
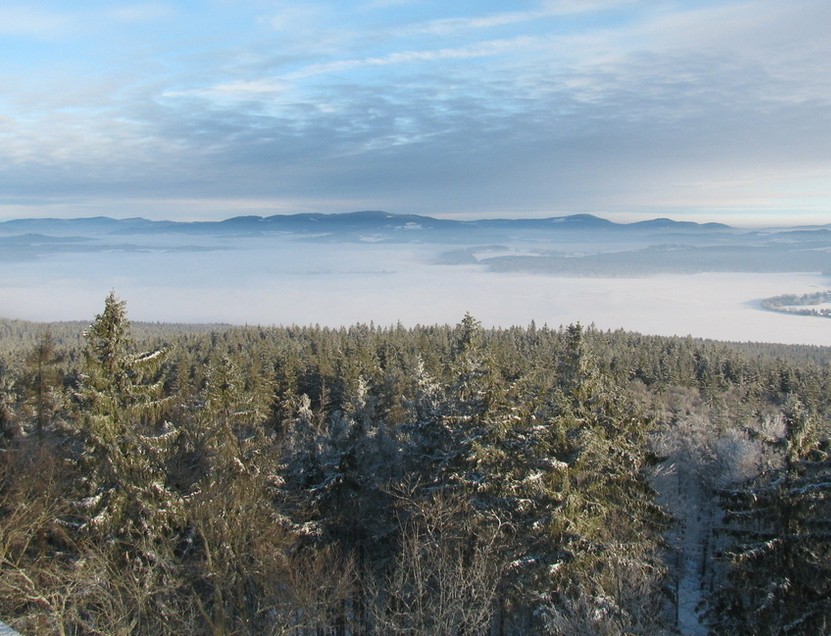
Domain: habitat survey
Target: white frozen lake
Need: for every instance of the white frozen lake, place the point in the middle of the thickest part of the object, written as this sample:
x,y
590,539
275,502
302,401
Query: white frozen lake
x,y
290,282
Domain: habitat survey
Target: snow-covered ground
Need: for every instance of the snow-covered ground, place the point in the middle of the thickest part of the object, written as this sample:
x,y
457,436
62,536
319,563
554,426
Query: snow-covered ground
x,y
337,284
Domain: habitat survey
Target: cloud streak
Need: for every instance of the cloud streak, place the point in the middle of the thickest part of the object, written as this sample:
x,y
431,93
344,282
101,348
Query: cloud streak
x,y
23,21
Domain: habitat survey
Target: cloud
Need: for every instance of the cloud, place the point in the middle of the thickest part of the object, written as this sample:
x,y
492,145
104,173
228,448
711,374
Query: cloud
x,y
145,12
38,23
479,49
563,107
449,26
230,94
49,24
544,10
309,29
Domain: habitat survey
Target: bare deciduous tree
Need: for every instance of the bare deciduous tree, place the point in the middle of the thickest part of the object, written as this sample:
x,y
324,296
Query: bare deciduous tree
x,y
446,574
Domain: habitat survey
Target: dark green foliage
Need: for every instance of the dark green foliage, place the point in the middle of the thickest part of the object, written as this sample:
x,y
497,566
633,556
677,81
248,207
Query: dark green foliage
x,y
121,405
779,529
438,479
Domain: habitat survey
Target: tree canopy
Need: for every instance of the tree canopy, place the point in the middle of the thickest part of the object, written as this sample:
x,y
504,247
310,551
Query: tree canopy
x,y
385,480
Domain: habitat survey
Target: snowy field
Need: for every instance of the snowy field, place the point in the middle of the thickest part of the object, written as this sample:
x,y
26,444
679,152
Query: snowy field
x,y
339,284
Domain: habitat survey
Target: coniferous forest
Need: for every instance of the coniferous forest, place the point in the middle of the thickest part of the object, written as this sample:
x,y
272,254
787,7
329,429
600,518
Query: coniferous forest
x,y
174,479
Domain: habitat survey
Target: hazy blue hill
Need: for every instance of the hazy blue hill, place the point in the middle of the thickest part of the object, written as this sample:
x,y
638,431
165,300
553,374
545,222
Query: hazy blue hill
x,y
664,223
32,226
572,245
80,226
32,238
368,221
573,222
676,259
31,245
799,234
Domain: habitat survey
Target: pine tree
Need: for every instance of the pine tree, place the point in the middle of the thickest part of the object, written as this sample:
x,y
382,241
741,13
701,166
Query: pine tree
x,y
126,442
779,525
42,382
608,527
236,405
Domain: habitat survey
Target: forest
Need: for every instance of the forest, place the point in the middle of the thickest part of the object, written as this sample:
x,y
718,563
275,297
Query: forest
x,y
814,304
444,479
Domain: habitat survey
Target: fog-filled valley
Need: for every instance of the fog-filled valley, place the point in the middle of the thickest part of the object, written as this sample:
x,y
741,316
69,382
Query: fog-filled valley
x,y
657,277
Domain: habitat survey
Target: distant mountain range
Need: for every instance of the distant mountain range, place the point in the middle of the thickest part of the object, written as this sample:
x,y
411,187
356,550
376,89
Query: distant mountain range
x,y
574,245
349,223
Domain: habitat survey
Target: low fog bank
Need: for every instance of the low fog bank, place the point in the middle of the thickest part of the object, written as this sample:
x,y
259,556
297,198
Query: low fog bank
x,y
659,277
342,284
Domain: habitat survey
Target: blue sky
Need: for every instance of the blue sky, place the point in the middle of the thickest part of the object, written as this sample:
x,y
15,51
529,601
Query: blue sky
x,y
627,109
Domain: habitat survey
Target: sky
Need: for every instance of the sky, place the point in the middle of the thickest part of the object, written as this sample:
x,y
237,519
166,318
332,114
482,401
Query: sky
x,y
697,110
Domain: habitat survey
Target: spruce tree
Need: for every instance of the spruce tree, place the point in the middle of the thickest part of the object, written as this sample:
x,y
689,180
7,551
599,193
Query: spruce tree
x,y
42,385
779,529
121,401
607,525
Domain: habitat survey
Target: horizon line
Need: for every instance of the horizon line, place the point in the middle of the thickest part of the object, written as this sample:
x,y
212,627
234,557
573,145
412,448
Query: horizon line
x,y
454,219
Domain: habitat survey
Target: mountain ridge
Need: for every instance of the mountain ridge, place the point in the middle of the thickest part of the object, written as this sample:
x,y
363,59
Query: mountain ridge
x,y
364,220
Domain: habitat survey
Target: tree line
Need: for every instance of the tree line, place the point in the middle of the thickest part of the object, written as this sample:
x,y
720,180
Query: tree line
x,y
804,305
428,480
